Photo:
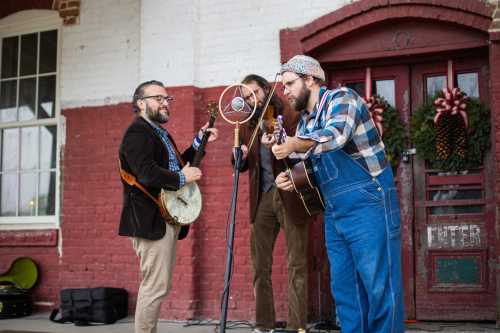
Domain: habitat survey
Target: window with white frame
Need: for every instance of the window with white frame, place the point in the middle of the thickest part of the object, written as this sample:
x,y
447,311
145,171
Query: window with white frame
x,y
29,116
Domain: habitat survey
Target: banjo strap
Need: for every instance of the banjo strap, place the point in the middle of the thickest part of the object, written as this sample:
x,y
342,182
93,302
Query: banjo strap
x,y
131,180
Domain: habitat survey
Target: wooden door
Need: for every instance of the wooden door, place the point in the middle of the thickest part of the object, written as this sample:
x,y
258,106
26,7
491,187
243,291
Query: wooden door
x,y
454,215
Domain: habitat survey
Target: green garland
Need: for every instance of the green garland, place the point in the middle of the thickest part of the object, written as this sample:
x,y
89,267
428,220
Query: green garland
x,y
394,136
423,135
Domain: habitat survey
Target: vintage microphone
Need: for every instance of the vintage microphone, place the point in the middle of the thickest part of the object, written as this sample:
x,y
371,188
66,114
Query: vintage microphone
x,y
243,112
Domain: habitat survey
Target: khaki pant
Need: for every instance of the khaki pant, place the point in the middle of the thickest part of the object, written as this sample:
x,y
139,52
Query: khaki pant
x,y
268,222
157,259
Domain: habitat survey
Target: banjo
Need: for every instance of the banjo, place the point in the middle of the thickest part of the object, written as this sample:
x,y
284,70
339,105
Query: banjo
x,y
184,205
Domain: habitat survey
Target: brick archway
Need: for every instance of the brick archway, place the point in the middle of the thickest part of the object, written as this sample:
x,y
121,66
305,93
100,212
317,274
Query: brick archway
x,y
11,7
471,14
69,10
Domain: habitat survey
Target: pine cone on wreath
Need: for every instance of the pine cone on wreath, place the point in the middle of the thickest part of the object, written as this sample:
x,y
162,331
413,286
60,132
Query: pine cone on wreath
x,y
459,135
444,131
451,124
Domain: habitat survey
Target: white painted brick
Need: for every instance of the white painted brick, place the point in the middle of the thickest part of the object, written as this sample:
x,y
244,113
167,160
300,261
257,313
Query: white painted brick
x,y
100,55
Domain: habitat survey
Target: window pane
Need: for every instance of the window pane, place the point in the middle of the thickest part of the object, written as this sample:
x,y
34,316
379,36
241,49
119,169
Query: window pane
x,y
27,103
46,96
469,84
48,51
10,154
9,194
9,56
48,140
27,197
29,148
435,84
358,87
386,89
28,54
47,194
8,92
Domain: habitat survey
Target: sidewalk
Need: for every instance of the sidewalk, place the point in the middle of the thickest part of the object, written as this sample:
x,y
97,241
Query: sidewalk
x,y
41,324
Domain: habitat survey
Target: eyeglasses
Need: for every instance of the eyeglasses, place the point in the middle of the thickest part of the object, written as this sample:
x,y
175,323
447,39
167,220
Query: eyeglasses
x,y
289,84
160,98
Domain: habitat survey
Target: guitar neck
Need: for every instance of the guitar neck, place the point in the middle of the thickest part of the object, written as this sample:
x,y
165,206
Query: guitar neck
x,y
280,139
201,149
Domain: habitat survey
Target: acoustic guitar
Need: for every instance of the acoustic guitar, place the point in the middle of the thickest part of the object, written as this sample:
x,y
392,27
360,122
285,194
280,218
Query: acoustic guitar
x,y
302,176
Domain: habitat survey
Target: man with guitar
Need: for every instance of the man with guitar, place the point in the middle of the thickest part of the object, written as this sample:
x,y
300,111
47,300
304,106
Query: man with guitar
x,y
149,154
362,223
272,210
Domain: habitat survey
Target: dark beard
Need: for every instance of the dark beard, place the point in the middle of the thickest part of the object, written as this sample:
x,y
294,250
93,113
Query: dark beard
x,y
154,115
300,102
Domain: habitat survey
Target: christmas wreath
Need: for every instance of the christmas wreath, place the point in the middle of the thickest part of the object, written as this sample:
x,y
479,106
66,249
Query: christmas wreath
x,y
392,129
451,139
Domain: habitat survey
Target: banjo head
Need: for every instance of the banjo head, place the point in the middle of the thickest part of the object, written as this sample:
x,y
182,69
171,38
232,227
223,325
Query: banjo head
x,y
183,205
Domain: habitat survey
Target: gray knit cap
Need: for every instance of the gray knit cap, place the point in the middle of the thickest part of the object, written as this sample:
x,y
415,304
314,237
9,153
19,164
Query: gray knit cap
x,y
302,64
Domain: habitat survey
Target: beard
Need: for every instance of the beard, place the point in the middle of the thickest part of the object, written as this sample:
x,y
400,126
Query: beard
x,y
299,103
155,115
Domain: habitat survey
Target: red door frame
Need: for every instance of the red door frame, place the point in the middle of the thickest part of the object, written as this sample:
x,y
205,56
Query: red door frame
x,y
331,39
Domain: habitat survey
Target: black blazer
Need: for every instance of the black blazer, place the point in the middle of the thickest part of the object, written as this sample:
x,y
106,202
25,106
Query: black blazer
x,y
143,154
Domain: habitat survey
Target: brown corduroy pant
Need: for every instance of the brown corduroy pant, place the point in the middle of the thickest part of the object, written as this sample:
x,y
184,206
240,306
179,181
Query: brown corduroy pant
x,y
269,220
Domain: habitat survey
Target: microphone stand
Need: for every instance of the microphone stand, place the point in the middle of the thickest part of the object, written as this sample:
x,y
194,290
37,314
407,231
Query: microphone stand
x,y
234,197
230,241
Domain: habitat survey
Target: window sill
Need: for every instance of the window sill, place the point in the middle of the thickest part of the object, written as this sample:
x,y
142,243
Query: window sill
x,y
18,238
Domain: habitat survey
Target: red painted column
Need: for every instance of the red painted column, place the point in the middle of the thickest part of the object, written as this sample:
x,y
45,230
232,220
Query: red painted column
x,y
495,116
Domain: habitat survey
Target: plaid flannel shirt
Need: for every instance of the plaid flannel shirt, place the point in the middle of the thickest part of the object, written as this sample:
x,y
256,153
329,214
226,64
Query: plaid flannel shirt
x,y
344,122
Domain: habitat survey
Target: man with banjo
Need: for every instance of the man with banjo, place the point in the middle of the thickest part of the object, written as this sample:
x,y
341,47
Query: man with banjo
x,y
272,210
149,164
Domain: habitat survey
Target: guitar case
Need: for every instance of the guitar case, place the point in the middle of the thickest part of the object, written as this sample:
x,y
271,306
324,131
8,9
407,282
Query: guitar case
x,y
14,302
15,285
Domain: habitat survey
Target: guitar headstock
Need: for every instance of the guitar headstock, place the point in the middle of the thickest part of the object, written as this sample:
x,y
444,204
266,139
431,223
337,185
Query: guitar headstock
x,y
213,109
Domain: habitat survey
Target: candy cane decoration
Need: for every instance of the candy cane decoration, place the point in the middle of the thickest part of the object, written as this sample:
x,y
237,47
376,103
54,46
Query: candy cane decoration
x,y
375,106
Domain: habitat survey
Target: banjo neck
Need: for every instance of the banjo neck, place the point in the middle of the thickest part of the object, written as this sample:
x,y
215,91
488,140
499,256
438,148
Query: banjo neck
x,y
212,110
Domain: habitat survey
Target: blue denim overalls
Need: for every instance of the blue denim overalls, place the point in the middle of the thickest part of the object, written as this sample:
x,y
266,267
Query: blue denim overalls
x,y
362,235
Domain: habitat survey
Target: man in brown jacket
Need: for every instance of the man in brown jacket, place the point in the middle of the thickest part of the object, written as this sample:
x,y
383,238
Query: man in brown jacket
x,y
272,210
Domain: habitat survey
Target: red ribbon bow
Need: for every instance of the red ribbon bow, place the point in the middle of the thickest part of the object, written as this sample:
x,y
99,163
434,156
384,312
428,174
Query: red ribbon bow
x,y
453,102
376,107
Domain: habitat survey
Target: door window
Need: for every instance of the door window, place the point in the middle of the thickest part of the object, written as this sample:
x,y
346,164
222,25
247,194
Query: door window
x,y
386,89
469,84
434,84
